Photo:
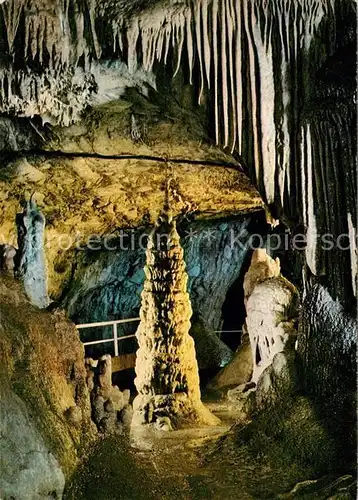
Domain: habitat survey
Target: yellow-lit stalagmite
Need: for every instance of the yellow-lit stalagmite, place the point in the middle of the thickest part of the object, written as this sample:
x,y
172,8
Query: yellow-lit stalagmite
x,y
167,372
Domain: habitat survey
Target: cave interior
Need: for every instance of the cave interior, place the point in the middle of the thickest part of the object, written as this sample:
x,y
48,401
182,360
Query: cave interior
x,y
178,254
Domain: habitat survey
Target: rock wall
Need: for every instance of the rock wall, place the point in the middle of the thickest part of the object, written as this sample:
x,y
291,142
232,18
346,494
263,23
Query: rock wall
x,y
111,411
45,405
272,305
28,469
327,346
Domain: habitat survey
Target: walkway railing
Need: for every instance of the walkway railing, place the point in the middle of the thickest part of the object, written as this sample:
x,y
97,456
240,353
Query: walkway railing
x,y
115,337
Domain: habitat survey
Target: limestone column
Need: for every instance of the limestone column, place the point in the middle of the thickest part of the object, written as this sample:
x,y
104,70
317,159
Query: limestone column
x,y
167,377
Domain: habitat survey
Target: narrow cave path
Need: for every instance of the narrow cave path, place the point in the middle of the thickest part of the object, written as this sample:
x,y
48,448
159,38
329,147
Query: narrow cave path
x,y
189,464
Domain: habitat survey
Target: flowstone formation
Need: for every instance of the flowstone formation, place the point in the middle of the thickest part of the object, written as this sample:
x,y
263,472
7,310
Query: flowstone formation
x,y
167,372
271,307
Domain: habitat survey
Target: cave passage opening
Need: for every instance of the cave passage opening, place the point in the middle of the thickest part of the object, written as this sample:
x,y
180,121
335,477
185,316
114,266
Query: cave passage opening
x,y
234,313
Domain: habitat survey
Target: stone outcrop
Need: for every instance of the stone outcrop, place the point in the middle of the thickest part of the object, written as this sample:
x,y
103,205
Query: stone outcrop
x,y
32,267
7,258
111,411
167,376
262,268
29,471
341,488
45,406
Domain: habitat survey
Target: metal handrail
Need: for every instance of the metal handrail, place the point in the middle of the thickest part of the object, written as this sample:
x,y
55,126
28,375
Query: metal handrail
x,y
115,337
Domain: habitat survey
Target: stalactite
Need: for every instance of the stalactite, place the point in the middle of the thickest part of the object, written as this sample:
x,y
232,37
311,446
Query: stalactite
x,y
206,40
12,11
215,10
311,235
224,73
353,250
230,19
199,40
167,377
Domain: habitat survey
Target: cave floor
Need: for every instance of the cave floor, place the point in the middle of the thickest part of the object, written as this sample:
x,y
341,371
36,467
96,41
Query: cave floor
x,y
184,464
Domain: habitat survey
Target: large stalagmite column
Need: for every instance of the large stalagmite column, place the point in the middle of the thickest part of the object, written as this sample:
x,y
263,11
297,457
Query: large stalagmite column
x,y
167,372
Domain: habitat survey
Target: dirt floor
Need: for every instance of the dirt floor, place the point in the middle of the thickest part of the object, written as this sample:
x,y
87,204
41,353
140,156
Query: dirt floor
x,y
184,464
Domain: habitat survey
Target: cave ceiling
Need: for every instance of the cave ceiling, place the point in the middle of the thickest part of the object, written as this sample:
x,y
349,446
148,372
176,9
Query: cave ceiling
x,y
266,76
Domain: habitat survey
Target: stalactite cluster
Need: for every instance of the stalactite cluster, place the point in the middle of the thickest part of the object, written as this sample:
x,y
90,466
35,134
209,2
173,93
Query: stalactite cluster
x,y
256,58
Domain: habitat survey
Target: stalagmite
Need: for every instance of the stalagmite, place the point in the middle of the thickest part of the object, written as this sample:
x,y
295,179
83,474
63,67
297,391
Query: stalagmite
x,y
32,260
167,372
271,309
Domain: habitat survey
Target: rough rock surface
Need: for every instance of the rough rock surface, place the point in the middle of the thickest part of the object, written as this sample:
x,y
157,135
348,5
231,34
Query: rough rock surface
x,y
342,488
262,268
167,377
45,400
28,471
327,345
7,258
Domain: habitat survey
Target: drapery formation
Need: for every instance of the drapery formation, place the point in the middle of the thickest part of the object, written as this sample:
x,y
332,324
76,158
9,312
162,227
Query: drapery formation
x,y
257,60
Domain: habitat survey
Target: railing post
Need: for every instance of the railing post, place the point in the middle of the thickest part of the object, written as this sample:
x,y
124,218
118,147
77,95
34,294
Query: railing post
x,y
115,335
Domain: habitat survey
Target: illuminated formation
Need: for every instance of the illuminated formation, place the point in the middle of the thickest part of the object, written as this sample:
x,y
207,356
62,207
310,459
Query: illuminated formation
x,y
167,372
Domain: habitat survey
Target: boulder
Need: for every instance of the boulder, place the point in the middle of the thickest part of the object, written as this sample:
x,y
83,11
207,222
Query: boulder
x,y
238,371
210,351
